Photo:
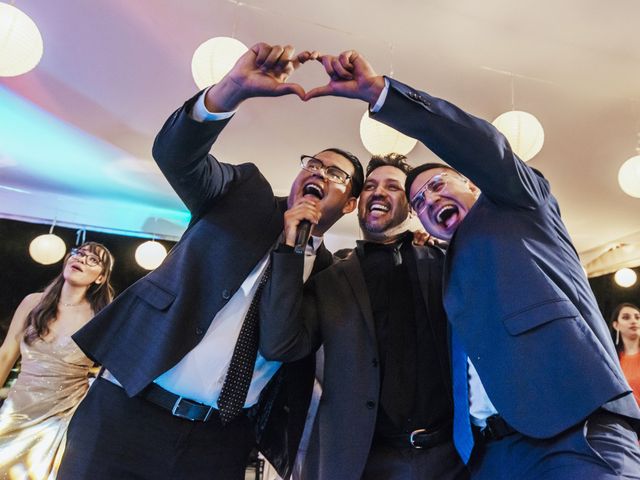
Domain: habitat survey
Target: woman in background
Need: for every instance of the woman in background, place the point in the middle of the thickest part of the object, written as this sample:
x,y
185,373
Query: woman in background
x,y
54,373
625,323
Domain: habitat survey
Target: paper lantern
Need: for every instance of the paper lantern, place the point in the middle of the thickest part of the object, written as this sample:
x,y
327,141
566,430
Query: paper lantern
x,y
629,177
20,42
150,254
47,249
213,59
625,277
524,132
380,139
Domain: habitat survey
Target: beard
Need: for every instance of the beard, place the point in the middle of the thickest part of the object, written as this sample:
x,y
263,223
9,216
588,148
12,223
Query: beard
x,y
382,232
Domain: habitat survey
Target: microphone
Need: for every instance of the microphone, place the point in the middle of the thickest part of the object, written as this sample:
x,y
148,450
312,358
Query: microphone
x,y
302,236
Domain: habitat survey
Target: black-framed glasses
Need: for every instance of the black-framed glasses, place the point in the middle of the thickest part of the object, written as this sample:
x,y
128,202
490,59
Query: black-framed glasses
x,y
331,173
435,184
87,257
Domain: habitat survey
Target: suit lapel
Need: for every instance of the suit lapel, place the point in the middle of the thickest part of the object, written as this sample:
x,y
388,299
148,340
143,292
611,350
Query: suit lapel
x,y
352,270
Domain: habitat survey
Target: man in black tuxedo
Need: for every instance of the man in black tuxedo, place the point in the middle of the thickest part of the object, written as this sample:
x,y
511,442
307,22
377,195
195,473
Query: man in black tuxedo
x,y
386,409
540,384
169,342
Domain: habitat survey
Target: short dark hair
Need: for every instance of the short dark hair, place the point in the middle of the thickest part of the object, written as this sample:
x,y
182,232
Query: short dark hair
x,y
357,179
411,176
389,160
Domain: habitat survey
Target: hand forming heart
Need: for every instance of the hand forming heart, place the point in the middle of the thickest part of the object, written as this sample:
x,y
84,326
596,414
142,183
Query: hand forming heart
x,y
264,69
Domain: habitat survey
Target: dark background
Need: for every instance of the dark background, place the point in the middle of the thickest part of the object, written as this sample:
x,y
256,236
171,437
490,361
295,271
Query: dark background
x,y
21,275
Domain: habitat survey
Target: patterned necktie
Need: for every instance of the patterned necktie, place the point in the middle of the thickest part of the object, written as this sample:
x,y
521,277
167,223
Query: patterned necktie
x,y
462,434
236,384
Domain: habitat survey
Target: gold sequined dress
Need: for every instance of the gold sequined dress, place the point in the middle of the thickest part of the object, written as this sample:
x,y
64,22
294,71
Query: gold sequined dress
x,y
35,416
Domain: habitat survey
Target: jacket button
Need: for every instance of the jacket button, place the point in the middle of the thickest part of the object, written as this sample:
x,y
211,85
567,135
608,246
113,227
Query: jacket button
x,y
374,362
371,404
226,294
199,331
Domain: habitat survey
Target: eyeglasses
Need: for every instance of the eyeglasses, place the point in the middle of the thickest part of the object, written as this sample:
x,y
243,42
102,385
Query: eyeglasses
x,y
88,258
331,173
435,184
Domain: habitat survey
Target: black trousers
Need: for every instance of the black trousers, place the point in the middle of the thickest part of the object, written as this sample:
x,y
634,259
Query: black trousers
x,y
112,436
436,463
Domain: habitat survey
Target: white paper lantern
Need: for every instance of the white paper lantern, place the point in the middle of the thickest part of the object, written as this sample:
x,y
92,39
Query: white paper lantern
x,y
47,249
213,59
524,132
20,42
625,277
150,254
380,139
629,177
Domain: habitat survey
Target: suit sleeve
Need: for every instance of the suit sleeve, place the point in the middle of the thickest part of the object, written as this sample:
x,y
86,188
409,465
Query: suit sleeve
x,y
289,325
181,150
469,144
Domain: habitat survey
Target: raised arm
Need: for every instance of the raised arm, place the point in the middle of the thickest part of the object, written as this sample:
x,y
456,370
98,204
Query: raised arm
x,y
289,325
181,149
469,144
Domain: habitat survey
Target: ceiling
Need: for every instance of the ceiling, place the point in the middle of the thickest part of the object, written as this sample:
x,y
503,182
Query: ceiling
x,y
76,132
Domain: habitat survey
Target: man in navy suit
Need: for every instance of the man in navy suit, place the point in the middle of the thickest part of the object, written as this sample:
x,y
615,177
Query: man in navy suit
x,y
540,385
167,342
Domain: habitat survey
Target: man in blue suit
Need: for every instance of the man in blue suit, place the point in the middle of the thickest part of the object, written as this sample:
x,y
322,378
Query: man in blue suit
x,y
546,394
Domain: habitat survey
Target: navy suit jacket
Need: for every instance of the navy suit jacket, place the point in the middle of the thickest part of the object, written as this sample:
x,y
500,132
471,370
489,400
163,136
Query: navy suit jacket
x,y
236,220
514,289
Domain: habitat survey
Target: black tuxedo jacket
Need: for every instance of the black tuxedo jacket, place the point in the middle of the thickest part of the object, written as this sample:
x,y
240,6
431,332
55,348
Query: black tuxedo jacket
x,y
236,220
334,310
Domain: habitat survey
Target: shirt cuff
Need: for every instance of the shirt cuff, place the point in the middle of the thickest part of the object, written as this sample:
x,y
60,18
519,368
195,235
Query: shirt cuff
x,y
200,113
382,97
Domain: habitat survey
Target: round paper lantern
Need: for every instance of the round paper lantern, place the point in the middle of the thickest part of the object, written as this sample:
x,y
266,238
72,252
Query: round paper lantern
x,y
20,42
625,277
150,254
524,132
629,177
213,59
380,139
47,249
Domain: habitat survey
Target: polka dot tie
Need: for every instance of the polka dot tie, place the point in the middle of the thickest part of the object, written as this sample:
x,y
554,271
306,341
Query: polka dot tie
x,y
236,384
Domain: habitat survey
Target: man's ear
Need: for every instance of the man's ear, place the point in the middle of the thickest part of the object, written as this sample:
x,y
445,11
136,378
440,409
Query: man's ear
x,y
350,205
472,186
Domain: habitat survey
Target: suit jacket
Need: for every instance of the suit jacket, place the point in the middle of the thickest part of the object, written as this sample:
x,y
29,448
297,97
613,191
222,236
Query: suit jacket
x,y
335,310
514,289
236,220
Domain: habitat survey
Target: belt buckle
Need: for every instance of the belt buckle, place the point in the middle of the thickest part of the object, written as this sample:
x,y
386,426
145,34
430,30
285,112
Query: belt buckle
x,y
176,413
412,437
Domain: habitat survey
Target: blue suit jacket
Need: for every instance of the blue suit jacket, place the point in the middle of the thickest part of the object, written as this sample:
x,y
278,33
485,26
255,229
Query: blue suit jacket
x,y
236,220
514,289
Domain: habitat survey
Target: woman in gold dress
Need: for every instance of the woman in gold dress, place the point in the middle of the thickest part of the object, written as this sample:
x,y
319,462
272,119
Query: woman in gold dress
x,y
54,373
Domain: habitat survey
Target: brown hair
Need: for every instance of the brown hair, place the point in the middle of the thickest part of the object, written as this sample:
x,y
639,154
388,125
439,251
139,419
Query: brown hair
x,y
98,295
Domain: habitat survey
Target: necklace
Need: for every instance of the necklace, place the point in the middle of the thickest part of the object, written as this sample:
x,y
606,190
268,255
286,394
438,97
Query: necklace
x,y
70,304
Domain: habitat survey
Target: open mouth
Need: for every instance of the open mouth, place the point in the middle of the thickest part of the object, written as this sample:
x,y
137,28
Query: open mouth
x,y
447,216
378,208
76,268
314,190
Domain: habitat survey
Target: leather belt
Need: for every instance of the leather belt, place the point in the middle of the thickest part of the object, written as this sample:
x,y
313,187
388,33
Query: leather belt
x,y
497,428
177,405
420,438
